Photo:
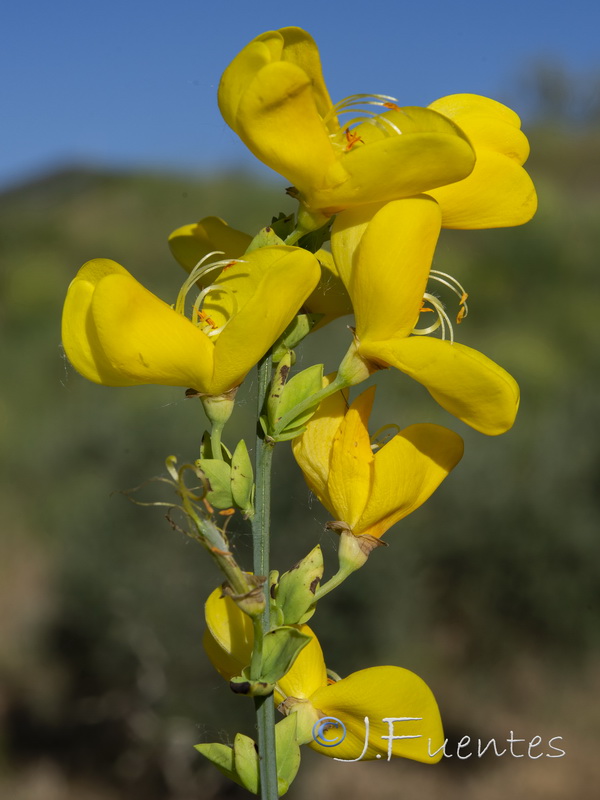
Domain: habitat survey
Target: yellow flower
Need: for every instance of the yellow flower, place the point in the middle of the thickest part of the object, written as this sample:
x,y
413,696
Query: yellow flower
x,y
117,333
191,243
370,488
378,693
384,256
274,97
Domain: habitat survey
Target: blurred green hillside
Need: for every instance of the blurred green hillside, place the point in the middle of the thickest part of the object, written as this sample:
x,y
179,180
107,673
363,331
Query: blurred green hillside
x,y
491,591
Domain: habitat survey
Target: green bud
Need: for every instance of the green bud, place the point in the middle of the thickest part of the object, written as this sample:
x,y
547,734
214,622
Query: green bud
x,y
277,386
295,593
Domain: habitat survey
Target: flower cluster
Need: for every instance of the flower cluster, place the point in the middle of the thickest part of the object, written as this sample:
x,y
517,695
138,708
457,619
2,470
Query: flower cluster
x,y
379,181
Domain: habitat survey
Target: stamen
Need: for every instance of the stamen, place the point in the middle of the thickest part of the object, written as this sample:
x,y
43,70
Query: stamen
x,y
442,321
451,282
199,317
358,102
379,440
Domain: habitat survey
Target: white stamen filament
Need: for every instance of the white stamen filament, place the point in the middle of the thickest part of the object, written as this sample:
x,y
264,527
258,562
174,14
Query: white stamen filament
x,y
201,269
442,321
454,286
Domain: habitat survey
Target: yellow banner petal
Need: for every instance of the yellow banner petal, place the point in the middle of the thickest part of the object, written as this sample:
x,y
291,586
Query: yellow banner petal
x,y
403,717
350,473
279,122
406,472
463,381
261,51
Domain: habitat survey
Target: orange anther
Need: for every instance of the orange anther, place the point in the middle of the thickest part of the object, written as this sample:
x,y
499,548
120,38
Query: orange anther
x,y
208,506
392,106
461,315
351,139
227,512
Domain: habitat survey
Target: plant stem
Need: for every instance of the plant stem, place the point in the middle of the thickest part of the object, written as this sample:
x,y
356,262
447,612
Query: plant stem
x,y
265,708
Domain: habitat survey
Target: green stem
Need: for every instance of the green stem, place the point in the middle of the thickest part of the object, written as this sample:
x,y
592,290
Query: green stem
x,y
215,440
339,577
265,708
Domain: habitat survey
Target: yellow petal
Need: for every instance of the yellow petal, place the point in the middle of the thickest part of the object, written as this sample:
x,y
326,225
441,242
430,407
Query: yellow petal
x,y
381,693
391,264
118,333
350,471
463,381
407,470
230,636
312,450
279,122
262,50
269,287
301,49
307,674
497,194
79,336
432,152
487,123
191,243
145,340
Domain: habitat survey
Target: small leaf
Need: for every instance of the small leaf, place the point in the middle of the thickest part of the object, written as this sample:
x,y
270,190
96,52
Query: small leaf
x,y
264,238
242,478
221,756
245,759
280,648
315,239
299,388
218,474
288,752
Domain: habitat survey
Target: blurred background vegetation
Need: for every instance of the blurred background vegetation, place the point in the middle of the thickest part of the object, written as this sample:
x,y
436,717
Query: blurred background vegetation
x,y
491,591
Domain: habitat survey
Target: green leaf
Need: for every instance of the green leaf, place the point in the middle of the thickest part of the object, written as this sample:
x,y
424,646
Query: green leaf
x,y
299,388
288,752
218,475
221,756
245,759
280,648
295,593
264,238
315,239
283,224
242,478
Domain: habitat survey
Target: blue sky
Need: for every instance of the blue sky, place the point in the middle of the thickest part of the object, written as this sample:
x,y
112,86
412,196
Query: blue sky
x,y
133,84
